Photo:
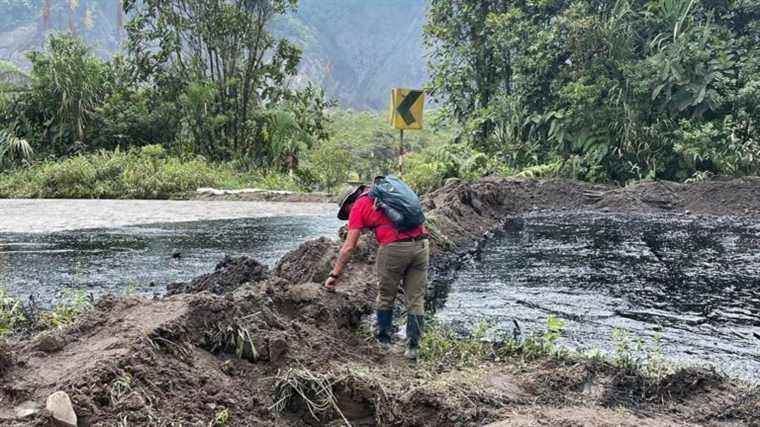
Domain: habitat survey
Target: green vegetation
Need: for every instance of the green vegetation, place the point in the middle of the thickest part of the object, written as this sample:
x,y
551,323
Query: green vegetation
x,y
634,353
142,173
12,316
16,318
221,418
14,150
224,99
362,145
442,349
606,91
63,314
599,91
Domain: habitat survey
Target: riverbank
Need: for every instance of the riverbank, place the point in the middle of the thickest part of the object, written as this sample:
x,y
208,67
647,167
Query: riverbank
x,y
276,349
148,172
261,195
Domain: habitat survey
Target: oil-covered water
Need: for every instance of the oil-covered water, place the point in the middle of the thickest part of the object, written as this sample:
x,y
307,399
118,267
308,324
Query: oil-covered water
x,y
143,258
693,282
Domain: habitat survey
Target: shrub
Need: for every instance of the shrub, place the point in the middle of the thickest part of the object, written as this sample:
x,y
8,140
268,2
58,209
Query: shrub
x,y
147,172
66,312
430,168
12,316
330,164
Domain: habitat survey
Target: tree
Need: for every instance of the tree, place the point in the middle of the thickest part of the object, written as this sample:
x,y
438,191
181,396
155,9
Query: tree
x,y
612,90
46,10
469,66
218,58
287,138
119,7
67,85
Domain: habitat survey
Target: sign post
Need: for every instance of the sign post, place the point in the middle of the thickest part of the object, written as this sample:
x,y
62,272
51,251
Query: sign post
x,y
407,106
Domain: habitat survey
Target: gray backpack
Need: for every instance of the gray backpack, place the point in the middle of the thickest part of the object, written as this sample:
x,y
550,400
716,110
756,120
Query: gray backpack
x,y
399,202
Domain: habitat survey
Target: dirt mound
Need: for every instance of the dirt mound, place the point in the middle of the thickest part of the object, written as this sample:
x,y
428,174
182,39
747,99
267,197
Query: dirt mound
x,y
311,262
646,196
228,275
723,197
739,196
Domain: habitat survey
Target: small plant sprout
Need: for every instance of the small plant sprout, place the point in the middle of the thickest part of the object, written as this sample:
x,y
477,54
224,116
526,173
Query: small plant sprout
x,y
221,418
554,329
120,388
131,288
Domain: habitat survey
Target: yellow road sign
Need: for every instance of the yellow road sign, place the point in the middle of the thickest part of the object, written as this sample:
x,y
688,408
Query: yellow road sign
x,y
406,108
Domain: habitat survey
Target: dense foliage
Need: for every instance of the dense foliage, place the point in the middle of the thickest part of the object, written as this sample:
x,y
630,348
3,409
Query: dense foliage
x,y
613,90
592,89
362,145
202,78
221,66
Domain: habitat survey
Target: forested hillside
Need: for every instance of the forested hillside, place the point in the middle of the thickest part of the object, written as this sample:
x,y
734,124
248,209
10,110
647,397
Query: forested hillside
x,y
356,49
603,91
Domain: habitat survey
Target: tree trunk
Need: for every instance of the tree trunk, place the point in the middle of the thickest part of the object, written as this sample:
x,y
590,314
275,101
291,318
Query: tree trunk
x,y
119,21
292,164
43,25
72,25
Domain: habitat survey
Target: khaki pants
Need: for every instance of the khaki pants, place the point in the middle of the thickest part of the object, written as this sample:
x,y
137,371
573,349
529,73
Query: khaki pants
x,y
403,263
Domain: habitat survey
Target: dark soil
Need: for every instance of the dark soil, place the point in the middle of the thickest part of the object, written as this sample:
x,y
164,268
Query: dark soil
x,y
228,275
261,352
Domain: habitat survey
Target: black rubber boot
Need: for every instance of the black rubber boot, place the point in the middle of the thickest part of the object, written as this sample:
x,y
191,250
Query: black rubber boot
x,y
414,326
384,325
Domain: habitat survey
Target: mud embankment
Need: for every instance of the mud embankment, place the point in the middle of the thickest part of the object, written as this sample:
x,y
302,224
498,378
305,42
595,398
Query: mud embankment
x,y
282,351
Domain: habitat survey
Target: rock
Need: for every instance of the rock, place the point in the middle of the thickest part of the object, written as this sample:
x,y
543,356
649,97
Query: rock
x,y
27,409
50,343
59,406
177,255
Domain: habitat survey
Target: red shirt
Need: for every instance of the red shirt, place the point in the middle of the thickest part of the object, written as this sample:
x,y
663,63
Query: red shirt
x,y
364,215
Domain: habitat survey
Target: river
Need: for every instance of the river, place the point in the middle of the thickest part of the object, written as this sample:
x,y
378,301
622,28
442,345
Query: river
x,y
49,248
694,283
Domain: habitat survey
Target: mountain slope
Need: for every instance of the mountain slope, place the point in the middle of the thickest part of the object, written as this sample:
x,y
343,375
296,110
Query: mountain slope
x,y
359,49
356,49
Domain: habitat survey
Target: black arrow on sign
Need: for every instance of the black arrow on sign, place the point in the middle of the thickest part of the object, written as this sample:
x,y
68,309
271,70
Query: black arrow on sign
x,y
405,108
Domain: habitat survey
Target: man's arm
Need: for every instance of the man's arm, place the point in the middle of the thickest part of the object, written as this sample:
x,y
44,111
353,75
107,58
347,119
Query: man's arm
x,y
345,253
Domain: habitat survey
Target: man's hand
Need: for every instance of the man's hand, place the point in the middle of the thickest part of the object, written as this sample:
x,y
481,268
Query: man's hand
x,y
330,284
345,253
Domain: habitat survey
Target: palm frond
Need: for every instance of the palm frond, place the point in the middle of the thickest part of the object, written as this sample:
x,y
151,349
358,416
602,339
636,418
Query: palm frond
x,y
13,148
